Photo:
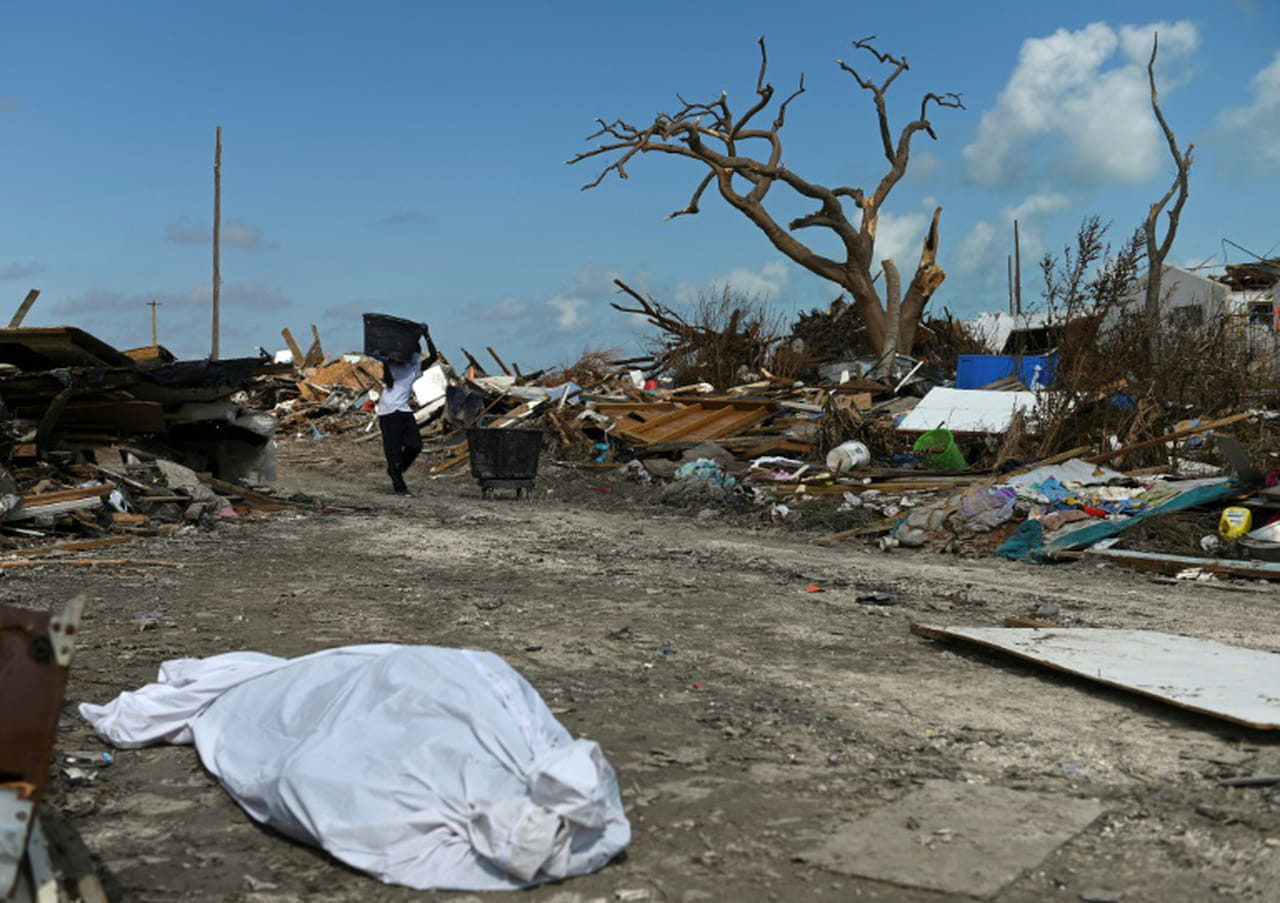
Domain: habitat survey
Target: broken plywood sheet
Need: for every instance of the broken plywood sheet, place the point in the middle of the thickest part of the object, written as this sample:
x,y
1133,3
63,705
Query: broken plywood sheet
x,y
957,838
1230,682
966,411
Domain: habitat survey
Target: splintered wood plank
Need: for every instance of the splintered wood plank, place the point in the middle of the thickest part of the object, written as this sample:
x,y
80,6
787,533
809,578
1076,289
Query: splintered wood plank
x,y
256,500
1172,564
694,422
712,424
697,423
742,419
73,546
1228,682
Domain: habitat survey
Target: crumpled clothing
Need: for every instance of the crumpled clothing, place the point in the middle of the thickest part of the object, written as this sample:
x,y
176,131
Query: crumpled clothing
x,y
707,471
981,510
1051,490
1054,519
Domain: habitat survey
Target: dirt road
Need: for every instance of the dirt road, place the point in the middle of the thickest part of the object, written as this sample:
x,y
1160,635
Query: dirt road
x,y
748,719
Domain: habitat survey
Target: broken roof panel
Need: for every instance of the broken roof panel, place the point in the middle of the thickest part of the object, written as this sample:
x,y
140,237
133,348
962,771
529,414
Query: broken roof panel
x,y
51,347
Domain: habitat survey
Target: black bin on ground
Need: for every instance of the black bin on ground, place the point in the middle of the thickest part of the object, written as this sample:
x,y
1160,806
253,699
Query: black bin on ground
x,y
391,338
504,459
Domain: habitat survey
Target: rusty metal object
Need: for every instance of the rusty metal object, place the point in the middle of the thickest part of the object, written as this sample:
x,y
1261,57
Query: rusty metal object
x,y
35,652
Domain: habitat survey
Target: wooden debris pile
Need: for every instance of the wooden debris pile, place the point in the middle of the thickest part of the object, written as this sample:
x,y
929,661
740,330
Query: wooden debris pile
x,y
96,442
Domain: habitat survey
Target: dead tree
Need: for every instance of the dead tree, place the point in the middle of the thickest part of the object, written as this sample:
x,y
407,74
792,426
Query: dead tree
x,y
711,134
1158,249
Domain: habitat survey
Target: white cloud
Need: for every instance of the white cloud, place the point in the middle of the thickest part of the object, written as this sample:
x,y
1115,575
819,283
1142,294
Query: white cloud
x,y
768,283
984,250
507,309
236,294
352,310
924,164
1087,92
16,270
1256,127
234,234
898,238
568,312
407,218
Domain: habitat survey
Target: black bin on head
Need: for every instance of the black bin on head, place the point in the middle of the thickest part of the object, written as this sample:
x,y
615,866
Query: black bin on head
x,y
504,459
391,338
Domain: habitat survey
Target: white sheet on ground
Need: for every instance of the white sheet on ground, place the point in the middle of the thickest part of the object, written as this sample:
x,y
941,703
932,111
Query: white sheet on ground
x,y
424,766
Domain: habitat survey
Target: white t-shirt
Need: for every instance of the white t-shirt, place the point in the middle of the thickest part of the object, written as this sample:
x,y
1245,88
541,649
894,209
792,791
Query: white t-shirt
x,y
395,397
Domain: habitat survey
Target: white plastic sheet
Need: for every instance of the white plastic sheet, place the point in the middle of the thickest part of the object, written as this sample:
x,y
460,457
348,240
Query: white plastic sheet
x,y
424,766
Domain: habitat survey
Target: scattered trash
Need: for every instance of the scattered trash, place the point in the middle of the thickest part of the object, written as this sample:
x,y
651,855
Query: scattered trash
x,y
1236,522
94,759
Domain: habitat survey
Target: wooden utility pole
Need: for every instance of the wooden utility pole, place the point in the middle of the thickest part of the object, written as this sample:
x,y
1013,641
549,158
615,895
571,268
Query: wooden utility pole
x,y
155,324
1009,265
1017,270
217,233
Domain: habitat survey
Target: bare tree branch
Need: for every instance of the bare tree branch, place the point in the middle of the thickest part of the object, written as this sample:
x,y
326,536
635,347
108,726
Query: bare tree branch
x,y
1158,249
692,207
711,134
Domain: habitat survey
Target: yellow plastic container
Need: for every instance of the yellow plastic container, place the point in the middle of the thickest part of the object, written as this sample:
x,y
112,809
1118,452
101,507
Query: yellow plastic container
x,y
1236,522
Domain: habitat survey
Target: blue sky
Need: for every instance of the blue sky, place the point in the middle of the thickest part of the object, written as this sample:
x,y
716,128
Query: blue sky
x,y
409,157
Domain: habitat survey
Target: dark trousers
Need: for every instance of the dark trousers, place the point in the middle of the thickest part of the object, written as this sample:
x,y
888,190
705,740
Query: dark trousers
x,y
401,442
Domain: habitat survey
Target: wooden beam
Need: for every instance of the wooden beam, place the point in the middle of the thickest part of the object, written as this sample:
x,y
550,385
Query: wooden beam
x,y
21,313
315,354
52,414
493,354
293,347
480,371
90,562
74,546
1169,437
1172,564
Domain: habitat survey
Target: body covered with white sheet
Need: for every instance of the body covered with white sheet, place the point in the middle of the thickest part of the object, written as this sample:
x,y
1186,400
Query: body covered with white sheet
x,y
424,766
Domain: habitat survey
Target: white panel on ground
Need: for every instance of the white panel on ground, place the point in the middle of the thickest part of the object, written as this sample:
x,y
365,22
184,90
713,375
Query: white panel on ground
x,y
1231,682
966,839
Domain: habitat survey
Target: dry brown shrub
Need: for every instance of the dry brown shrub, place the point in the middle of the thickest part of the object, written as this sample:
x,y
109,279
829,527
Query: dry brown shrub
x,y
728,339
1124,377
593,368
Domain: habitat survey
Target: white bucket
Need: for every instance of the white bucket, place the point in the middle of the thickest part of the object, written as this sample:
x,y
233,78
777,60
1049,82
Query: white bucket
x,y
848,456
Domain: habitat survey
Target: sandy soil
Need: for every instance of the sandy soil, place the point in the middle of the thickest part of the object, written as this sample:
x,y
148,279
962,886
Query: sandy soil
x,y
748,719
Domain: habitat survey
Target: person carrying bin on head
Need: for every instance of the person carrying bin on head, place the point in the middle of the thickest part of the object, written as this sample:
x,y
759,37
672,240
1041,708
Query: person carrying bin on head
x,y
395,343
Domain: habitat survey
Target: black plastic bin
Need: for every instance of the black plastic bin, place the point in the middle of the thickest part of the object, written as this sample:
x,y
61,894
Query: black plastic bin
x,y
392,338
504,458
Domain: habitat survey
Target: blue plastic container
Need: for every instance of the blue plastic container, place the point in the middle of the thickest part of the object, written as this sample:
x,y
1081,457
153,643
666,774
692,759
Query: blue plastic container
x,y
973,371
